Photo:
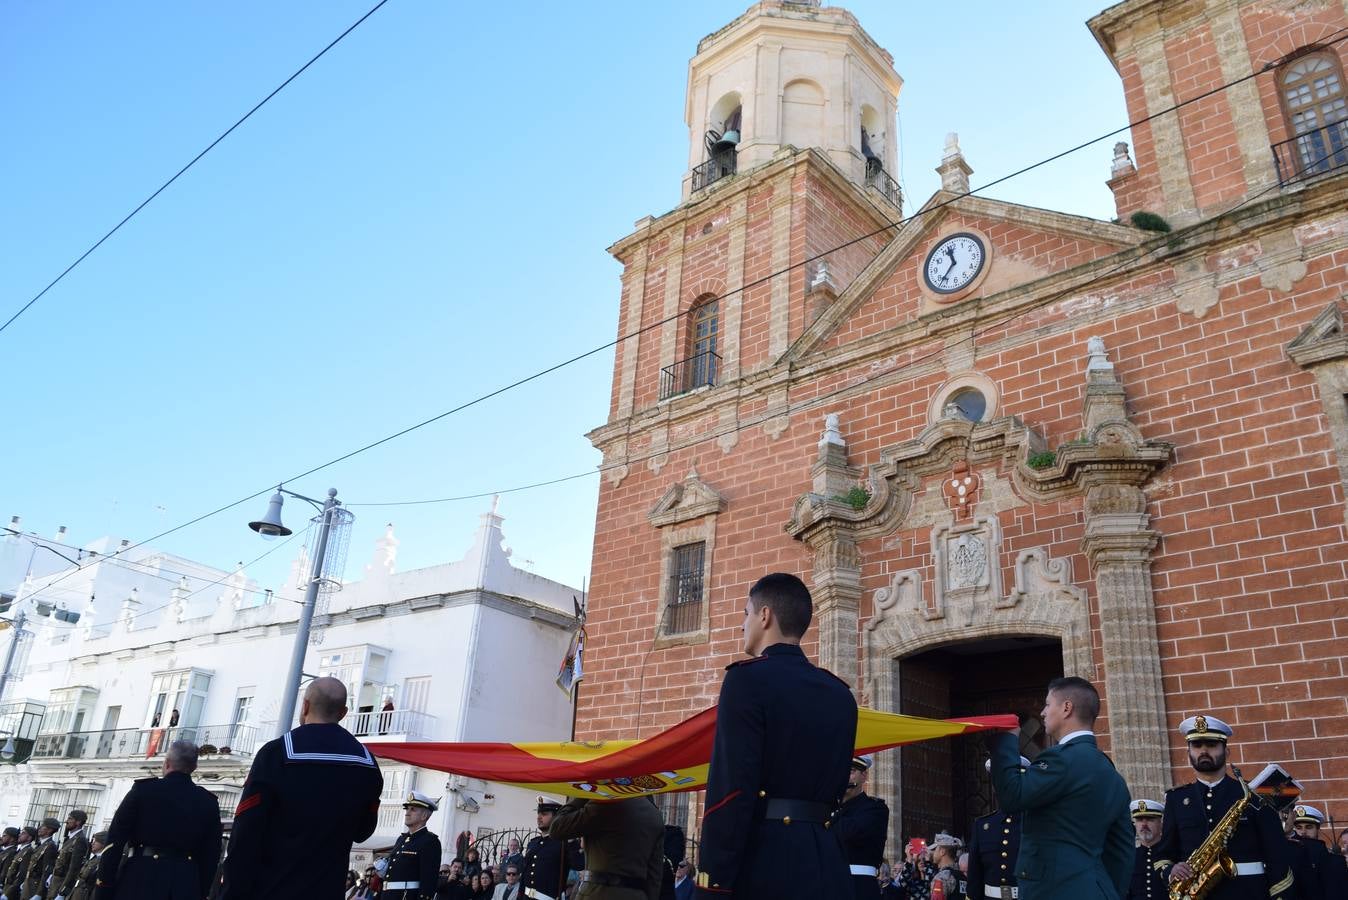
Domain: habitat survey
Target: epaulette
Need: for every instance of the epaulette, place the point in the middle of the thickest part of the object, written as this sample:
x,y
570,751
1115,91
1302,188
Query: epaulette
x,y
745,662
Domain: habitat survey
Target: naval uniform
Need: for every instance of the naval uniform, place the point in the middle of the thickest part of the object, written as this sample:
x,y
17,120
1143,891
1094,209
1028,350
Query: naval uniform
x,y
993,848
862,824
780,763
546,862
169,831
413,867
1258,848
1148,883
310,794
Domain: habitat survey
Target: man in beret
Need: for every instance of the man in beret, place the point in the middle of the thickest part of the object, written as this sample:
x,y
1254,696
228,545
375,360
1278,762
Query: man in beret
x,y
87,878
70,858
42,860
9,845
18,863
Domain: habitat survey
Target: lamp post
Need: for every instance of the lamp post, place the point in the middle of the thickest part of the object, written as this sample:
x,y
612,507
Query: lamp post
x,y
270,527
21,616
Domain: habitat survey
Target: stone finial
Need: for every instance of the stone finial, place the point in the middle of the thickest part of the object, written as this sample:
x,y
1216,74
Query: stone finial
x,y
822,278
234,587
178,601
1097,359
1122,165
130,607
954,170
386,550
832,435
87,617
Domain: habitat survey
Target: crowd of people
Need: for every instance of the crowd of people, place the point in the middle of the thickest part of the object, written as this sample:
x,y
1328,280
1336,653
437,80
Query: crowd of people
x,y
787,817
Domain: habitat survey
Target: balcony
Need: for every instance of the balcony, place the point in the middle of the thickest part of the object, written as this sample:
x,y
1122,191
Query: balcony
x,y
1313,153
145,743
721,165
699,370
878,178
394,725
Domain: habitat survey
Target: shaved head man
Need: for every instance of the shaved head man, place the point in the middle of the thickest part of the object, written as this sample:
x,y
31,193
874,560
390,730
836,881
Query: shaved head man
x,y
310,794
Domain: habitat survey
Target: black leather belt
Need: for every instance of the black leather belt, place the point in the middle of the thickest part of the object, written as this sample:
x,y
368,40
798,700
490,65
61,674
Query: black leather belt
x,y
608,879
156,852
788,811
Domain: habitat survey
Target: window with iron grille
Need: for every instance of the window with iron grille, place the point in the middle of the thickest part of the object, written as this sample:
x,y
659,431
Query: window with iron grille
x,y
683,613
56,803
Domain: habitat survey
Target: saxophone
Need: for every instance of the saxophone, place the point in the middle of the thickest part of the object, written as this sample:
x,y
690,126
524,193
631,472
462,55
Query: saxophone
x,y
1210,862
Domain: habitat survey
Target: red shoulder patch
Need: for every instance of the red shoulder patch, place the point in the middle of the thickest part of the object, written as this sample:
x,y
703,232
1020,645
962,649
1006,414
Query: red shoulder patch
x,y
745,662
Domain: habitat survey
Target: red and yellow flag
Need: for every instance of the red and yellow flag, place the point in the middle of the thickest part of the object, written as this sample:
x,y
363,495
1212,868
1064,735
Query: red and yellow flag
x,y
673,760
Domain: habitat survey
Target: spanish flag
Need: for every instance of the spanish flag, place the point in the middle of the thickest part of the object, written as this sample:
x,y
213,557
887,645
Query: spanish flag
x,y
674,760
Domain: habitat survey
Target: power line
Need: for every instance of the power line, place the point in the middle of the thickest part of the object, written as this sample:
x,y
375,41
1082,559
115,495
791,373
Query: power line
x,y
1337,37
209,147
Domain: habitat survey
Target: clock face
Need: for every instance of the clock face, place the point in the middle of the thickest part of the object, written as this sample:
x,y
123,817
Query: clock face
x,y
954,263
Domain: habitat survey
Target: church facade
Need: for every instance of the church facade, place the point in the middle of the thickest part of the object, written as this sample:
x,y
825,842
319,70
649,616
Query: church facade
x,y
999,443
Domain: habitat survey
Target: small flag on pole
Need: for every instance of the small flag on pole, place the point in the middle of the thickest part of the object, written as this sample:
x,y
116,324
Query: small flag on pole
x,y
571,671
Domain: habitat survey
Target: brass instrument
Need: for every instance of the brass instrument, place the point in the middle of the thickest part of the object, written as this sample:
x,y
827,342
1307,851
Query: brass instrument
x,y
1210,862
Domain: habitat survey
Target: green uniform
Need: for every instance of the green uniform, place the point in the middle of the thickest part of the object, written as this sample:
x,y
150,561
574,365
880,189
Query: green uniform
x,y
624,847
74,850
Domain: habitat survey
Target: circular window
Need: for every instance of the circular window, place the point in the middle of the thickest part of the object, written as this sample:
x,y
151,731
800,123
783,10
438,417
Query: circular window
x,y
970,403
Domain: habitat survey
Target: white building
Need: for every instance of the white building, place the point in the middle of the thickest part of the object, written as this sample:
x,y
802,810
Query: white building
x,y
467,651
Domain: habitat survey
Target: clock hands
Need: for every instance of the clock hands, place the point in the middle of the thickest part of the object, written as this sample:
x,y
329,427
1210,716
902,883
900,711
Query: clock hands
x,y
950,252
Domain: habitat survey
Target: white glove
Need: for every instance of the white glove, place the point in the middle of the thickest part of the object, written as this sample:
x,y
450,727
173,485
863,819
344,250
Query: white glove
x,y
35,897
60,897
381,867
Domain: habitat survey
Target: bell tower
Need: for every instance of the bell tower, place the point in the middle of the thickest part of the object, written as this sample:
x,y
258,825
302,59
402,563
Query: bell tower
x,y
792,74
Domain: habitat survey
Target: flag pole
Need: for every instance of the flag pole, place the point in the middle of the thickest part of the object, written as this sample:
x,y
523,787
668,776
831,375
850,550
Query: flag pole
x,y
575,688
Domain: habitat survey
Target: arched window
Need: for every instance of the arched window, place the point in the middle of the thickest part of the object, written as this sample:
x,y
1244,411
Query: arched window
x,y
704,333
1316,107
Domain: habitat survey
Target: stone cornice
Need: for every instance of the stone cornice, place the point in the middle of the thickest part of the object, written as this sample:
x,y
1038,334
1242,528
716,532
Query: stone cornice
x,y
784,161
1322,341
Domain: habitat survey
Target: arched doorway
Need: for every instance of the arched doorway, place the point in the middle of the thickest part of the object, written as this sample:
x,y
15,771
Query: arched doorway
x,y
942,784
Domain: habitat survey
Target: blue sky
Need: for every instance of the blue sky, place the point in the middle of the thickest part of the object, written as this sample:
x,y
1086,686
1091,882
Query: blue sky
x,y
417,220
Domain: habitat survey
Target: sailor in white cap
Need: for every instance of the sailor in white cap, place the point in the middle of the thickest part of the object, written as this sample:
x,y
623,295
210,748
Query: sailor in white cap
x,y
862,824
1257,847
1148,883
414,862
1318,872
993,848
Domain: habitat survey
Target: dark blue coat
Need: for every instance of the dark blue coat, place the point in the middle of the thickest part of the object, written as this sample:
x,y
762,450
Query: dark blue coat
x,y
993,848
546,863
862,824
177,818
1191,811
785,731
1148,881
1076,840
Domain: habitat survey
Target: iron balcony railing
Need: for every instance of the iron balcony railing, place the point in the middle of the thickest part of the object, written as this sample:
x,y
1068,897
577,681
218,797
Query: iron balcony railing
x,y
401,722
721,165
1317,152
145,743
699,370
878,178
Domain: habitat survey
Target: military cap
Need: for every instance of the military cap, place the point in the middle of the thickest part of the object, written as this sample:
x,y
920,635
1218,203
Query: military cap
x,y
12,832
32,832
863,762
51,823
421,801
1205,728
947,840
79,815
1307,815
102,838
548,806
1146,809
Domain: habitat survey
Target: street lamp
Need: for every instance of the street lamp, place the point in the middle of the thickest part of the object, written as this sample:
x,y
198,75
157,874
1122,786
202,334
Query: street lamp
x,y
271,527
7,751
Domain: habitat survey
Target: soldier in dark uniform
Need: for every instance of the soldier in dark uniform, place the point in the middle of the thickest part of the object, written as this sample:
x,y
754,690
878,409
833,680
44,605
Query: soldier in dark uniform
x,y
993,847
1318,872
624,846
168,830
310,793
70,858
1258,848
18,863
42,860
862,824
1148,883
780,760
413,869
87,876
548,859
9,845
